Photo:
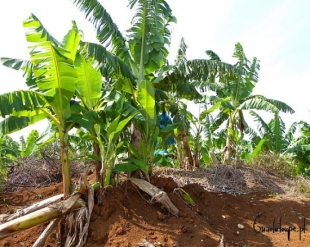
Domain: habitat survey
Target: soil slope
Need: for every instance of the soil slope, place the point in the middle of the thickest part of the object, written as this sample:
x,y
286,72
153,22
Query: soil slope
x,y
126,218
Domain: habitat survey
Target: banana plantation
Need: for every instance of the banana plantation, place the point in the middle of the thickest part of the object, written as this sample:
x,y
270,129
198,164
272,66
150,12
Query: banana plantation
x,y
121,110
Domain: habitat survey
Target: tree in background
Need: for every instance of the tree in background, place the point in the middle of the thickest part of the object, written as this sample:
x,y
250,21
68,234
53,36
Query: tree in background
x,y
233,96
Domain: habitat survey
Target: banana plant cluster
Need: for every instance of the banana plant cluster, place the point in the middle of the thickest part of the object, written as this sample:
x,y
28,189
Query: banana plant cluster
x,y
112,91
64,86
299,147
51,78
9,152
233,96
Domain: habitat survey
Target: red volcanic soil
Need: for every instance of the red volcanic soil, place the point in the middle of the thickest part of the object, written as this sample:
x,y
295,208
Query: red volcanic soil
x,y
126,217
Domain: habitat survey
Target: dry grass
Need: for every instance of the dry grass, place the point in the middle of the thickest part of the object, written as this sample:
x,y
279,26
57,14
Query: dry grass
x,y
274,163
34,173
240,179
270,174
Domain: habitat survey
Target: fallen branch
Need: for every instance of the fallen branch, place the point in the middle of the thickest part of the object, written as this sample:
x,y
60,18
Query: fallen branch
x,y
156,194
42,215
32,208
41,240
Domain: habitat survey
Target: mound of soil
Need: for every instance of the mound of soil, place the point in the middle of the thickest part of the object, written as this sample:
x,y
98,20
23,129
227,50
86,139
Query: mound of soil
x,y
126,218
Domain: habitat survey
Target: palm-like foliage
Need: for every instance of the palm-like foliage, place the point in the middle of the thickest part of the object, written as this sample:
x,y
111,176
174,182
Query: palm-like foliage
x,y
20,109
141,55
9,152
144,49
52,76
274,134
234,95
299,148
148,36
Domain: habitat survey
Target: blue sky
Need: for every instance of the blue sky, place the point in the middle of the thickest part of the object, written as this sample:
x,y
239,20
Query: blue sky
x,y
277,32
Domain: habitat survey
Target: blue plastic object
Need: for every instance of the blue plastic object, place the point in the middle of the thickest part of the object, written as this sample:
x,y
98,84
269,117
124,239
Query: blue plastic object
x,y
165,120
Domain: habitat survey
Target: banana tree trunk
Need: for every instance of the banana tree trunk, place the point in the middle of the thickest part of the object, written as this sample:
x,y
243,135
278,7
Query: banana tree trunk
x,y
196,153
196,159
97,163
64,156
187,150
136,138
228,149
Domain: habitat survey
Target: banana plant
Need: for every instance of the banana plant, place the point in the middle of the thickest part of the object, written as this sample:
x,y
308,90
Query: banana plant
x,y
105,123
144,50
89,92
272,133
110,144
234,96
102,111
52,79
196,138
65,87
9,152
299,148
29,146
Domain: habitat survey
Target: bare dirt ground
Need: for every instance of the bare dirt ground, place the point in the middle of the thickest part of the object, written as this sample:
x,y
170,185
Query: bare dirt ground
x,y
234,206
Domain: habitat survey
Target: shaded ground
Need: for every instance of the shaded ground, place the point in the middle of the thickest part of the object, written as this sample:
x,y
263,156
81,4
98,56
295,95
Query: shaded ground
x,y
126,217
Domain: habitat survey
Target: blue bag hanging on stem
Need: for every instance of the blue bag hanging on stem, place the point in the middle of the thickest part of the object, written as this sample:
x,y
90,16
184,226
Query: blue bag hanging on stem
x,y
164,120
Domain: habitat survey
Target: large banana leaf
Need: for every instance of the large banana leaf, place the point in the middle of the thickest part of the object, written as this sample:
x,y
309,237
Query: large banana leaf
x,y
213,55
71,42
251,77
260,102
16,64
107,31
150,34
278,133
53,66
21,100
146,98
20,109
11,124
291,131
109,63
246,75
89,82
262,126
53,71
181,57
185,76
36,31
20,64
